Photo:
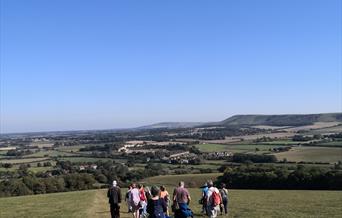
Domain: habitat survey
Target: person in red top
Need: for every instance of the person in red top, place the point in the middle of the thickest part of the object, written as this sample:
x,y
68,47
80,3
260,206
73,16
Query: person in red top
x,y
143,199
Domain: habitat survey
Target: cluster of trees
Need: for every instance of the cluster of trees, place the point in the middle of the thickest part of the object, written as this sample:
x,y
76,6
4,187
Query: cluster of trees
x,y
65,143
68,177
302,138
104,148
6,165
8,141
209,136
173,147
18,153
263,139
156,137
317,139
281,149
335,136
253,158
271,177
91,138
30,184
45,164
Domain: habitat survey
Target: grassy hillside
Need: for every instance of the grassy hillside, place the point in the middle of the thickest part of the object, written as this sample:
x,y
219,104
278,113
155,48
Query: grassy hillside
x,y
243,203
70,204
281,120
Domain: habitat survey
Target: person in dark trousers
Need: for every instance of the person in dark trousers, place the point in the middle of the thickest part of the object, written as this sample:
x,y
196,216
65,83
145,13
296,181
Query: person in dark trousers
x,y
114,196
224,194
128,199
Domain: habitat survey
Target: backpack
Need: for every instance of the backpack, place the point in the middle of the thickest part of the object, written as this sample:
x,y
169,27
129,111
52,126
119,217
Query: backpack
x,y
224,194
216,198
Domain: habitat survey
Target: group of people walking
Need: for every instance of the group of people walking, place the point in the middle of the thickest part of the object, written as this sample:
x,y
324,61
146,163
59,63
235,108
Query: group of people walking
x,y
214,200
144,202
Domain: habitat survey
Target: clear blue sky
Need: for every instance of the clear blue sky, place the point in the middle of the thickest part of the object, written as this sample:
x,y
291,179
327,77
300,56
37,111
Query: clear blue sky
x,y
68,65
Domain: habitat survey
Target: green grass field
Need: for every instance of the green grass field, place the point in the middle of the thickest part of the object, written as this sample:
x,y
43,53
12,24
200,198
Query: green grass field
x,y
76,148
83,159
279,142
34,169
3,152
239,148
243,203
312,154
25,160
49,153
71,204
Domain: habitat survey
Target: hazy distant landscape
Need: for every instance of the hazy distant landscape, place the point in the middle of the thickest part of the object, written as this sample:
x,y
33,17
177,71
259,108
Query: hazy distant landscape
x,y
297,147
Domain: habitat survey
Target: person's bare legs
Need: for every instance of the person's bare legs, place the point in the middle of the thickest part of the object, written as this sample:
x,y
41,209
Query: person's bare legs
x,y
136,214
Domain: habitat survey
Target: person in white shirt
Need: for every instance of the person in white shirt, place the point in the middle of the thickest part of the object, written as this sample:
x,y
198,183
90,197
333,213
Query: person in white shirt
x,y
214,200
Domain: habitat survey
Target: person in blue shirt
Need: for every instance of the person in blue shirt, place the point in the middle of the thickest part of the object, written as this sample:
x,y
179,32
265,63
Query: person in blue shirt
x,y
204,197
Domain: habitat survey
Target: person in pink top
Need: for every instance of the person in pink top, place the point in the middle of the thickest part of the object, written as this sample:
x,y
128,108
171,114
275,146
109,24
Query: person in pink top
x,y
135,201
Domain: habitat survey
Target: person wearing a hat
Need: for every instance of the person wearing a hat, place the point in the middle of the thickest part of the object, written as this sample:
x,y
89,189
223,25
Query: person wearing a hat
x,y
114,196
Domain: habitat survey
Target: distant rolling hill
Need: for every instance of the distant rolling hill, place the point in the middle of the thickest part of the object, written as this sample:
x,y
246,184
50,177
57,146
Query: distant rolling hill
x,y
254,120
281,120
172,125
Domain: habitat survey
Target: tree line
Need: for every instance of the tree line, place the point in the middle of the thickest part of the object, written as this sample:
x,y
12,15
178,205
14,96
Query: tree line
x,y
271,177
68,177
